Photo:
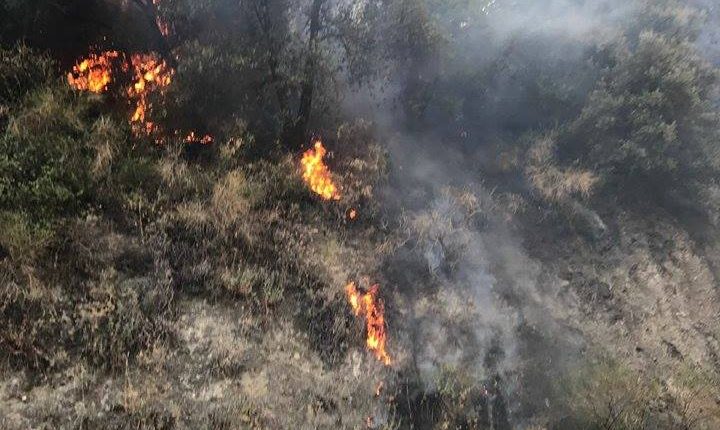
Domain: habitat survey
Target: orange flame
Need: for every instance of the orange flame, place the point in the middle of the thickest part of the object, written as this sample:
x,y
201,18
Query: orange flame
x,y
205,140
352,214
379,388
93,73
151,74
316,173
367,304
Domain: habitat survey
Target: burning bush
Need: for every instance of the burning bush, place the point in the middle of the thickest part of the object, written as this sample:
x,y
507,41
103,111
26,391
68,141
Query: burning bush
x,y
316,174
93,73
369,306
150,75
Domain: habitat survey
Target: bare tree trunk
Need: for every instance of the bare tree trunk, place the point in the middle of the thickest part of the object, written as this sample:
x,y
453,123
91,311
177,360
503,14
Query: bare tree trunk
x,y
262,15
299,128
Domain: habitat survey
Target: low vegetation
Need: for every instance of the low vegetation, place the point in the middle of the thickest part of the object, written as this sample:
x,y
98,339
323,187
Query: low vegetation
x,y
154,280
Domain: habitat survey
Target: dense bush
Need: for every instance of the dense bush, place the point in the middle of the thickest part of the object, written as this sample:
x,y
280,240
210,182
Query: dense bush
x,y
607,394
21,70
651,123
45,161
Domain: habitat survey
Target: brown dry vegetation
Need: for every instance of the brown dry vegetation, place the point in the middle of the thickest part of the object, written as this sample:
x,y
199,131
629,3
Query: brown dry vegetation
x,y
568,283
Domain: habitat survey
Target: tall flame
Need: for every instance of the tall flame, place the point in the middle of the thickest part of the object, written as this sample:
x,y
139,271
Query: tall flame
x,y
151,74
316,173
93,73
368,305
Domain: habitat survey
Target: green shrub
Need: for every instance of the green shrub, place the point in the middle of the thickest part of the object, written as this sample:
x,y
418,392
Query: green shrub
x,y
45,161
605,395
651,123
22,70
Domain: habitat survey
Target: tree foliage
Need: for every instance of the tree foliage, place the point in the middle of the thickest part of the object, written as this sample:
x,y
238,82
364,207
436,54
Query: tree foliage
x,y
651,121
44,157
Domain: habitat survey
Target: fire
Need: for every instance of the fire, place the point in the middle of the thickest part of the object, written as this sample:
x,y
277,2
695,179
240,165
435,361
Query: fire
x,y
93,73
352,214
369,422
316,173
162,25
368,305
151,74
205,140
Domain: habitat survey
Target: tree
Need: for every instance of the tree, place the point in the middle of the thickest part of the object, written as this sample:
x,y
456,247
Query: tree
x,y
302,118
651,121
282,61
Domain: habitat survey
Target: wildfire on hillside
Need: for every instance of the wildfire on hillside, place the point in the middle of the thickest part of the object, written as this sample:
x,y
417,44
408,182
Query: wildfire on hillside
x,y
316,173
93,73
369,306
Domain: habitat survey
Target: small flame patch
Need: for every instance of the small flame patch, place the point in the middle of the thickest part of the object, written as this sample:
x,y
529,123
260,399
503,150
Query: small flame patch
x,y
151,74
93,73
379,388
192,138
316,173
368,305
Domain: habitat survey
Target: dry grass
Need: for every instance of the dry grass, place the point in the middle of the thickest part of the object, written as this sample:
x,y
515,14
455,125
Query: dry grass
x,y
230,200
551,182
607,394
694,394
22,240
105,139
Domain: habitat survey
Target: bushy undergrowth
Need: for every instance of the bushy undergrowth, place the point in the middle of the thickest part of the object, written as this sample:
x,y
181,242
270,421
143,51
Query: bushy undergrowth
x,y
22,70
101,230
606,394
